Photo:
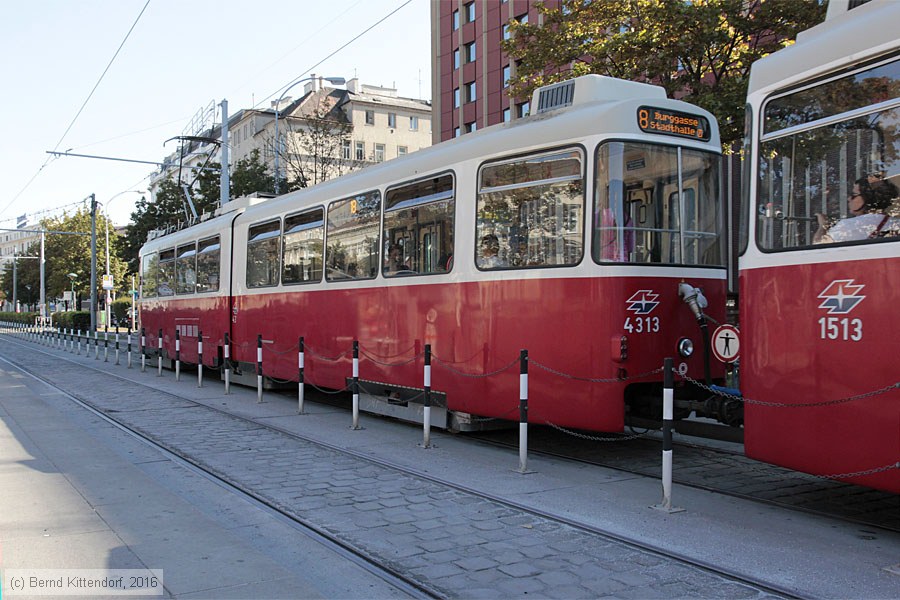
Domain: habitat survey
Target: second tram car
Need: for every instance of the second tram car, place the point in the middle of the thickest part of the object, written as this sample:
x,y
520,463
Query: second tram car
x,y
820,273
567,233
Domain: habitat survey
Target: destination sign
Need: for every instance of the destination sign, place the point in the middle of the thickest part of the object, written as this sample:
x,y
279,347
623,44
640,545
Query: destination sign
x,y
673,122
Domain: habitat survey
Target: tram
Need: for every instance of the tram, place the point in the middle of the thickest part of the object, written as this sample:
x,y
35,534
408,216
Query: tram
x,y
580,233
820,269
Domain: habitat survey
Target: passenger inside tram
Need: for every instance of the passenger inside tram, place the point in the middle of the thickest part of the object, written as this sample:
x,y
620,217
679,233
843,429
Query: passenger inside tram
x,y
868,204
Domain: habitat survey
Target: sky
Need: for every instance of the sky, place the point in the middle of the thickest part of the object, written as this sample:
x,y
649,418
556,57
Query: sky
x,y
180,56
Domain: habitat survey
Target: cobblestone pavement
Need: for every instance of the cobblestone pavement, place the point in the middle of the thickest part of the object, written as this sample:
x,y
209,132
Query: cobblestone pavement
x,y
457,543
728,472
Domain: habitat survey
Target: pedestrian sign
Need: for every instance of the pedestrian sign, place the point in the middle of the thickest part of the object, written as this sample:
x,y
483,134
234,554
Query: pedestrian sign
x,y
726,343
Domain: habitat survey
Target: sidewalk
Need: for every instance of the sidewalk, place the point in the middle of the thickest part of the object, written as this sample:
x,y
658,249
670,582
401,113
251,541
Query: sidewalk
x,y
80,494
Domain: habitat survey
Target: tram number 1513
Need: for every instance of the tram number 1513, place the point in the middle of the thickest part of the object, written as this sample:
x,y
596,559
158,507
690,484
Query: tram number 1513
x,y
641,324
836,328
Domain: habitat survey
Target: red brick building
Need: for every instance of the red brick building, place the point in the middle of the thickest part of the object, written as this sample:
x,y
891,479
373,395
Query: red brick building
x,y
469,69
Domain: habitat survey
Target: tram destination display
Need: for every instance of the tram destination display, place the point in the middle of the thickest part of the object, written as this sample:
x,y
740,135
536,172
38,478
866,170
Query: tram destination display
x,y
672,122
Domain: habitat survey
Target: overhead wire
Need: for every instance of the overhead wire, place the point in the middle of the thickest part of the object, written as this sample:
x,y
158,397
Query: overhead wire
x,y
356,37
80,110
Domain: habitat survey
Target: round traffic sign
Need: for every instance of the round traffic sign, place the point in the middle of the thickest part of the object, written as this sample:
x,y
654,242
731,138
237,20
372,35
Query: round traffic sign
x,y
726,343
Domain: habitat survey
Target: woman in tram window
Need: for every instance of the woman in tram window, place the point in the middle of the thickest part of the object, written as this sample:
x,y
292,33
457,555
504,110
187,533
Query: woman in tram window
x,y
870,198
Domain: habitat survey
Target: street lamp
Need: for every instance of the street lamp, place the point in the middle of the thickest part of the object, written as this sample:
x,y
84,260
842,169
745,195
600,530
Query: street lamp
x,y
331,80
107,280
73,277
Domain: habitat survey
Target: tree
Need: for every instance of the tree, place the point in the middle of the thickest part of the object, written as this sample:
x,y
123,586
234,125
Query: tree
x,y
313,147
66,254
699,51
148,215
250,175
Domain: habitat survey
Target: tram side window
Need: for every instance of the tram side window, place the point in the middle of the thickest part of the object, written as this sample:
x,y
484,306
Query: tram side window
x,y
303,247
263,251
829,179
208,259
149,274
641,215
166,277
353,228
530,212
418,227
186,269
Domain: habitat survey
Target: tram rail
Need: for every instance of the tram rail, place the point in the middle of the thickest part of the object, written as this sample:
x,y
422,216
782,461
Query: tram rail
x,y
416,585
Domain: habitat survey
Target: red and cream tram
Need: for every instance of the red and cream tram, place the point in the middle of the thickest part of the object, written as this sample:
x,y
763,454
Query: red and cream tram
x,y
566,233
820,275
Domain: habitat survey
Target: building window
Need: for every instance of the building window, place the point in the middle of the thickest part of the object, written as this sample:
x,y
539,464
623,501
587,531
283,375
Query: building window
x,y
506,35
470,92
522,19
470,52
456,132
470,127
470,12
379,152
414,123
507,73
523,109
456,98
456,58
370,117
507,115
402,150
345,149
455,20
392,119
360,151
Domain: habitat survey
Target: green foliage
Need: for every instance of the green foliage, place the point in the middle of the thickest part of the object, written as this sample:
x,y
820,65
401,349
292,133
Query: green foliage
x,y
251,175
699,51
66,253
121,309
24,317
79,320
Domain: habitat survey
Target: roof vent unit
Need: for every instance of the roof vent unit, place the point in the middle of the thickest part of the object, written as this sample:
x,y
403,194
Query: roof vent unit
x,y
591,88
558,95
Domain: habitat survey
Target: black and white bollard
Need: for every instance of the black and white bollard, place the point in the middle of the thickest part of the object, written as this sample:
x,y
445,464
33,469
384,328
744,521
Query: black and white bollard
x,y
106,343
79,344
355,385
143,350
159,356
227,359
426,411
129,347
259,371
199,359
300,377
96,345
117,345
668,416
177,355
523,411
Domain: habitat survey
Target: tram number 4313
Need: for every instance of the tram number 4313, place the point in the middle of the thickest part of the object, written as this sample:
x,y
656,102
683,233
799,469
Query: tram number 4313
x,y
641,324
836,328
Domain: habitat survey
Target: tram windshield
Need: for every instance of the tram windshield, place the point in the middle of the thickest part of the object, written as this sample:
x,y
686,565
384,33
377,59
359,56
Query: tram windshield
x,y
829,162
656,204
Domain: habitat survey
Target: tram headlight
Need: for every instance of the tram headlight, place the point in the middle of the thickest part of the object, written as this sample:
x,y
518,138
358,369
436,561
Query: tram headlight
x,y
685,347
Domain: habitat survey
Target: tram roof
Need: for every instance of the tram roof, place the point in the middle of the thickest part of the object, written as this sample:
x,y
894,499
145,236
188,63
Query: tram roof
x,y
847,36
607,107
